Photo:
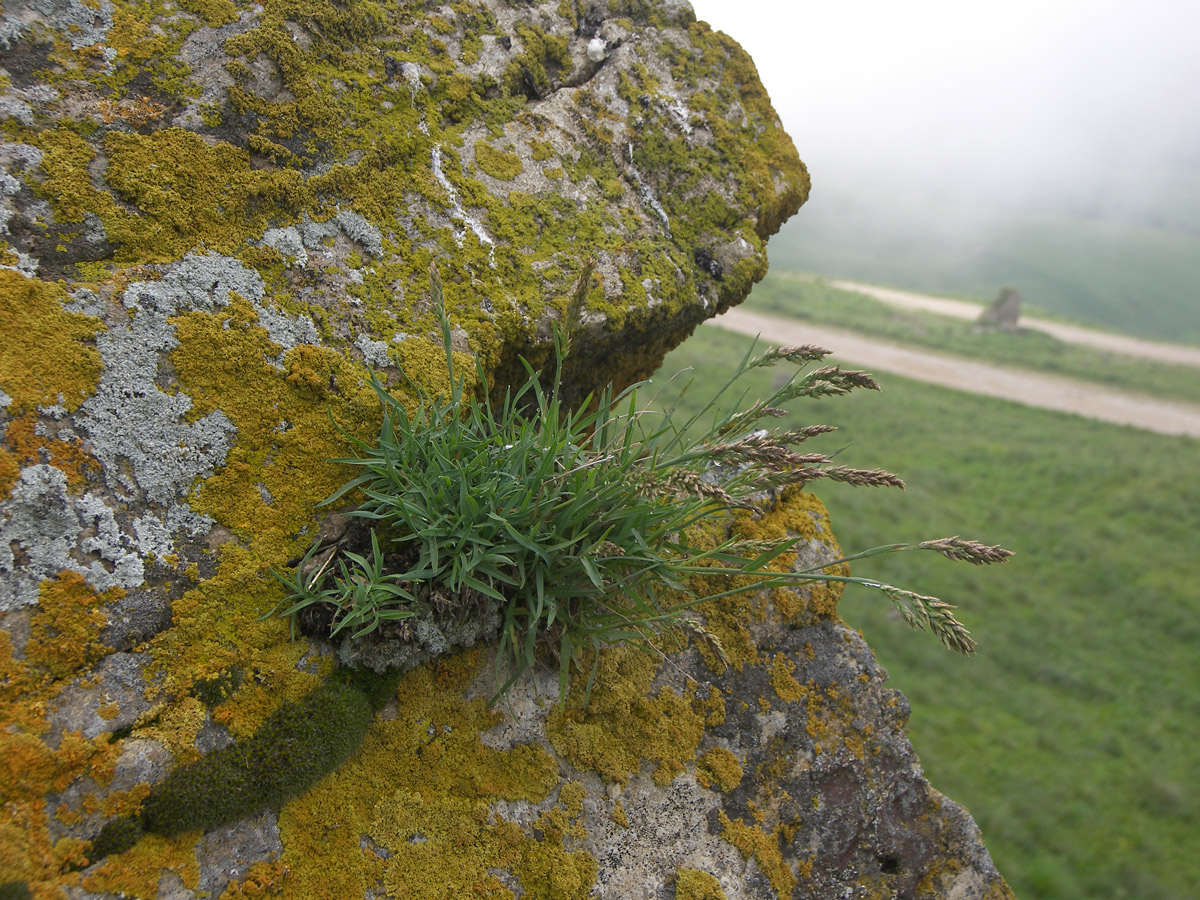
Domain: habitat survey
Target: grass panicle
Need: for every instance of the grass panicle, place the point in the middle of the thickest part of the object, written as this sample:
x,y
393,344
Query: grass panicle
x,y
577,521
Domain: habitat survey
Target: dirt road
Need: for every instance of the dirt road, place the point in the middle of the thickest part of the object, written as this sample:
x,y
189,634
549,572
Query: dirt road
x,y
1178,354
1025,387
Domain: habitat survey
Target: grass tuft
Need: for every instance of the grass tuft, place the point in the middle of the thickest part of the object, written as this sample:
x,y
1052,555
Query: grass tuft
x,y
579,523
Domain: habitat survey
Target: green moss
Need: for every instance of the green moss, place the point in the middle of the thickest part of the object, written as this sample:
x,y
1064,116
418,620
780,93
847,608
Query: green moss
x,y
497,163
15,890
692,884
545,58
299,744
117,836
219,687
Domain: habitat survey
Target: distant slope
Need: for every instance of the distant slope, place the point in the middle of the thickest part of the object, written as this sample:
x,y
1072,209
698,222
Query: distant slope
x,y
1137,279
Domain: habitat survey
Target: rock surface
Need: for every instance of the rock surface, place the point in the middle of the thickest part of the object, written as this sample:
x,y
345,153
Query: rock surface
x,y
1004,313
216,217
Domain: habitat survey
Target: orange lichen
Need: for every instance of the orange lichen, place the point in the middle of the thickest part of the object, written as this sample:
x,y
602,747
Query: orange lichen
x,y
65,628
25,447
124,803
10,471
23,702
138,871
263,879
29,854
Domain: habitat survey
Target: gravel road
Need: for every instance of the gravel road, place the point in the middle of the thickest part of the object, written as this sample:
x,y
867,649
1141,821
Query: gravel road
x,y
1179,354
1020,386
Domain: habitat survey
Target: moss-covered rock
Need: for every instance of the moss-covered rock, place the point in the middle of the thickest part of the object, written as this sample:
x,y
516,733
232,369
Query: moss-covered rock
x,y
216,218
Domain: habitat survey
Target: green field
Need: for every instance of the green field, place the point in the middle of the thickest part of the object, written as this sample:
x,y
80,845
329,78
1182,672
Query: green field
x,y
786,293
1072,735
1128,276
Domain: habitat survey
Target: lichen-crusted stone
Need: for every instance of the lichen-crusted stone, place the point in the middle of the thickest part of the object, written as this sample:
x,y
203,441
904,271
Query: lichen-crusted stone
x,y
216,217
335,149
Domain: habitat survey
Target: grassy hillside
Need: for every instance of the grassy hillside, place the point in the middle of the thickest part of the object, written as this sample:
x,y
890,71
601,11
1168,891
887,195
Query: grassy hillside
x,y
1071,735
784,293
1131,277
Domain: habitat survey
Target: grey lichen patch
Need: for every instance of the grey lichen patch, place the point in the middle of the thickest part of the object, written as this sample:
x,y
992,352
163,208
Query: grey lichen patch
x,y
290,244
110,698
155,535
227,853
83,24
674,821
145,436
139,432
295,241
375,353
44,531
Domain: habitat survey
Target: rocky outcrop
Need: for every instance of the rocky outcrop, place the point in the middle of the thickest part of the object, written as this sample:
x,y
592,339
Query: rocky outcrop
x,y
1004,313
216,219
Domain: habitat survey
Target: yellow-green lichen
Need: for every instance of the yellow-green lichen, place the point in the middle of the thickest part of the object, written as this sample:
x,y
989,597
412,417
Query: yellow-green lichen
x,y
719,767
787,688
753,841
799,514
47,357
420,793
497,163
693,884
618,814
274,476
623,724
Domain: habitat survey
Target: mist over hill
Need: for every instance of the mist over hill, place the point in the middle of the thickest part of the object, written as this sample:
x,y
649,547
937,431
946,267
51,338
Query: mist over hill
x,y
1122,252
1049,144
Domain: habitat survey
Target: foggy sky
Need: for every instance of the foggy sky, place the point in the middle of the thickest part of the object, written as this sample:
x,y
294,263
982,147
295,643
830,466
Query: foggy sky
x,y
1007,102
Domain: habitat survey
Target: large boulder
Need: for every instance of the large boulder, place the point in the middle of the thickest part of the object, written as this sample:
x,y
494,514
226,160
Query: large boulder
x,y
216,219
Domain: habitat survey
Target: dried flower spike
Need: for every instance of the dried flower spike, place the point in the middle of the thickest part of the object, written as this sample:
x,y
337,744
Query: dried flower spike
x,y
969,551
